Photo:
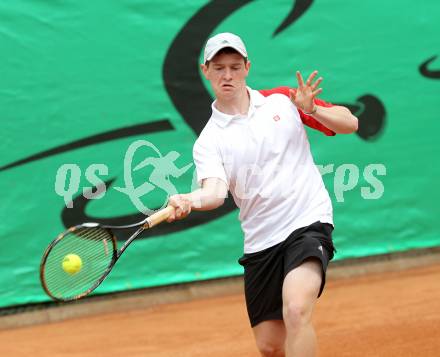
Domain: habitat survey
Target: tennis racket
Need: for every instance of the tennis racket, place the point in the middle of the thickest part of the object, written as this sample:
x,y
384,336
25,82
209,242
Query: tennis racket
x,y
79,259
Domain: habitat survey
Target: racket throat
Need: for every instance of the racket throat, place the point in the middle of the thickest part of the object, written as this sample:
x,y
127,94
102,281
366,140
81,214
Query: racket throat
x,y
130,240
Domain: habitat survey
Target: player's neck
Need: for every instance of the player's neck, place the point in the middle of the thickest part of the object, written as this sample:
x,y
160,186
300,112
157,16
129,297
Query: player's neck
x,y
234,105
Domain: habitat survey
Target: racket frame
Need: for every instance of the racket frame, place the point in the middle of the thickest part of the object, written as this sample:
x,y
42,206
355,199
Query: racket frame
x,y
147,223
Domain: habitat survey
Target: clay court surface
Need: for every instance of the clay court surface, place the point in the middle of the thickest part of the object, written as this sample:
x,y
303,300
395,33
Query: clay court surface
x,y
392,314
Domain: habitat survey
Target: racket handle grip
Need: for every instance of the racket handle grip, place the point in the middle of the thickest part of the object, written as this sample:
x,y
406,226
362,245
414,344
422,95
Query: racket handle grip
x,y
159,216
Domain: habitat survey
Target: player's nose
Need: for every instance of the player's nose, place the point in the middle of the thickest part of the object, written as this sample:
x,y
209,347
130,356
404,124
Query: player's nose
x,y
228,74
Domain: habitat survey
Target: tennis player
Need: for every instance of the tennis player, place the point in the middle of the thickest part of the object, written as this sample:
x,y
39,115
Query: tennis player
x,y
255,145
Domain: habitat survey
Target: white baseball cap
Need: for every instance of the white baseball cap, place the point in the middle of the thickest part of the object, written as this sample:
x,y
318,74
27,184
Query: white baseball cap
x,y
223,40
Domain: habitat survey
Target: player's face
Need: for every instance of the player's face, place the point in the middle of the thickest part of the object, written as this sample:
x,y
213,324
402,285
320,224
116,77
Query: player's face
x,y
227,73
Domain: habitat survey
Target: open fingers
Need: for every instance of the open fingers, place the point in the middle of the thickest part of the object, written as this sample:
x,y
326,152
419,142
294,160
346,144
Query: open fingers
x,y
311,77
316,92
299,79
316,84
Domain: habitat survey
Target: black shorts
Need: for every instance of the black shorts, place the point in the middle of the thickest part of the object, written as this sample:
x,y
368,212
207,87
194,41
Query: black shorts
x,y
264,271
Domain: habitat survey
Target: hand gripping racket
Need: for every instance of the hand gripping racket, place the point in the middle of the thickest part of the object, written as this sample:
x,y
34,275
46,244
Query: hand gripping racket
x,y
79,259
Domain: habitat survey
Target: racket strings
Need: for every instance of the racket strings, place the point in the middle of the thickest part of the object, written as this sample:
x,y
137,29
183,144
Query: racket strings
x,y
89,252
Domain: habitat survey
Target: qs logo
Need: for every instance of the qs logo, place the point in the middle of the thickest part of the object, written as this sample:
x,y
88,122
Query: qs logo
x,y
68,177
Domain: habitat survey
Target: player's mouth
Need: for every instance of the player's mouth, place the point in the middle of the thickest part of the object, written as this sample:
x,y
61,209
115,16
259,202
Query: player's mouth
x,y
227,86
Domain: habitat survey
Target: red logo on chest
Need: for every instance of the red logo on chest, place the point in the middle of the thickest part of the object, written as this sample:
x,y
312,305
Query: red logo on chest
x,y
276,117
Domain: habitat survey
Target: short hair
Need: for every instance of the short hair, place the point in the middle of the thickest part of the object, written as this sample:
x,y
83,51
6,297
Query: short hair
x,y
227,51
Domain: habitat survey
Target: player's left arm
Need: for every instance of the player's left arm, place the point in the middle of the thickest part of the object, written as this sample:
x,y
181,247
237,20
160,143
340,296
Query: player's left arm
x,y
336,118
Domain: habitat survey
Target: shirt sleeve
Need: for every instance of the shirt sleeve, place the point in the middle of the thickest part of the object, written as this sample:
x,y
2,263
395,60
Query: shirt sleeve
x,y
208,160
306,119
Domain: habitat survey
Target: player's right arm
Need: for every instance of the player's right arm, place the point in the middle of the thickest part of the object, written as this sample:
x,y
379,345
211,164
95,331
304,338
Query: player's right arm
x,y
209,196
211,177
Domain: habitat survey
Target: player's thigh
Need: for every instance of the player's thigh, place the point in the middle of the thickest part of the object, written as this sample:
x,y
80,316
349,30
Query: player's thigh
x,y
301,287
270,335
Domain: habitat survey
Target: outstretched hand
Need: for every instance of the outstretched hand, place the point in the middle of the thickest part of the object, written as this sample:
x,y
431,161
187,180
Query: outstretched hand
x,y
303,96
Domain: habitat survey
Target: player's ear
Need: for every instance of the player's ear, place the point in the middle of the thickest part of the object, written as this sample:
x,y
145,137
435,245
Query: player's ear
x,y
204,69
247,66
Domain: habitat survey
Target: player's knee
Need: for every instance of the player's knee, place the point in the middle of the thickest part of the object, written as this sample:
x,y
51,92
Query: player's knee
x,y
270,349
296,314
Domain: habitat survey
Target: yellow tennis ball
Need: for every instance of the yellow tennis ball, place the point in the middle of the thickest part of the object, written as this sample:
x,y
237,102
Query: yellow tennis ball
x,y
72,264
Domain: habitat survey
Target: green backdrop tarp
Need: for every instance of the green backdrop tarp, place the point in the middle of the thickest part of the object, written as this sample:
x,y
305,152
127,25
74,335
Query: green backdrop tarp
x,y
80,81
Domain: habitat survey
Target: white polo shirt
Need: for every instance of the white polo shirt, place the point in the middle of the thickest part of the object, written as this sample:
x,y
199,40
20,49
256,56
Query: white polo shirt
x,y
264,157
